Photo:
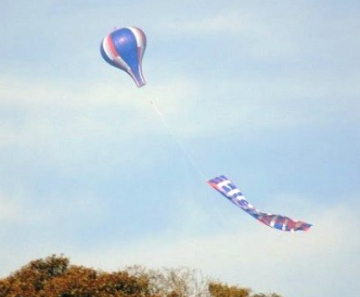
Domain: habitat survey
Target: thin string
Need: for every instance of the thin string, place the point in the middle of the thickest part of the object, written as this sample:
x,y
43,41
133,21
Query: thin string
x,y
176,139
222,219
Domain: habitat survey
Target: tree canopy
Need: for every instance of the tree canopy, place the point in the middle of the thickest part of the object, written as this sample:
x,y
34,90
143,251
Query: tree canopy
x,y
55,277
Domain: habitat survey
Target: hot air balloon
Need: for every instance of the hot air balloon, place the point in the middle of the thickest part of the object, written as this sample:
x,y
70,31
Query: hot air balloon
x,y
124,49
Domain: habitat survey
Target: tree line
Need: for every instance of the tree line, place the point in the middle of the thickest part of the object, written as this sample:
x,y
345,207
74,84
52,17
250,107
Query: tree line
x,y
54,276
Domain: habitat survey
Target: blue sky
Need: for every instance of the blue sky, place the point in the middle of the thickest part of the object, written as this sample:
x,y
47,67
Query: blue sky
x,y
265,92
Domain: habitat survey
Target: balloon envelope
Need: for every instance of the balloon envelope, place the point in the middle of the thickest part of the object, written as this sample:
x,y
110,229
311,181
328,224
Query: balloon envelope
x,y
124,49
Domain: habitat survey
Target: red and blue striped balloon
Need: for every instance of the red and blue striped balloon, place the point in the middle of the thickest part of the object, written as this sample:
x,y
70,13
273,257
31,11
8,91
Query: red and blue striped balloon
x,y
124,49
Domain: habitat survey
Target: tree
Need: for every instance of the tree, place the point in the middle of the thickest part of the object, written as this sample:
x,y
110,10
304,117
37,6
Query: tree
x,y
54,277
222,290
31,278
187,282
174,282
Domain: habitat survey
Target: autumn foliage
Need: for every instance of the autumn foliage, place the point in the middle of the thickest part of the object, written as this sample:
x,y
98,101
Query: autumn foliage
x,y
55,277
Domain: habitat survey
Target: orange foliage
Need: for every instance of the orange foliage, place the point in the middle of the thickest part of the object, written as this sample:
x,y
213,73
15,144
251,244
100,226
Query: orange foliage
x,y
54,277
221,290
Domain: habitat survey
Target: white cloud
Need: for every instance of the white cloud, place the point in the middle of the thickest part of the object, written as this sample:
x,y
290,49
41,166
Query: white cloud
x,y
9,210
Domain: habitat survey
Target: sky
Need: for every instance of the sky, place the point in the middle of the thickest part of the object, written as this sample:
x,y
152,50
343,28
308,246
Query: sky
x,y
264,92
